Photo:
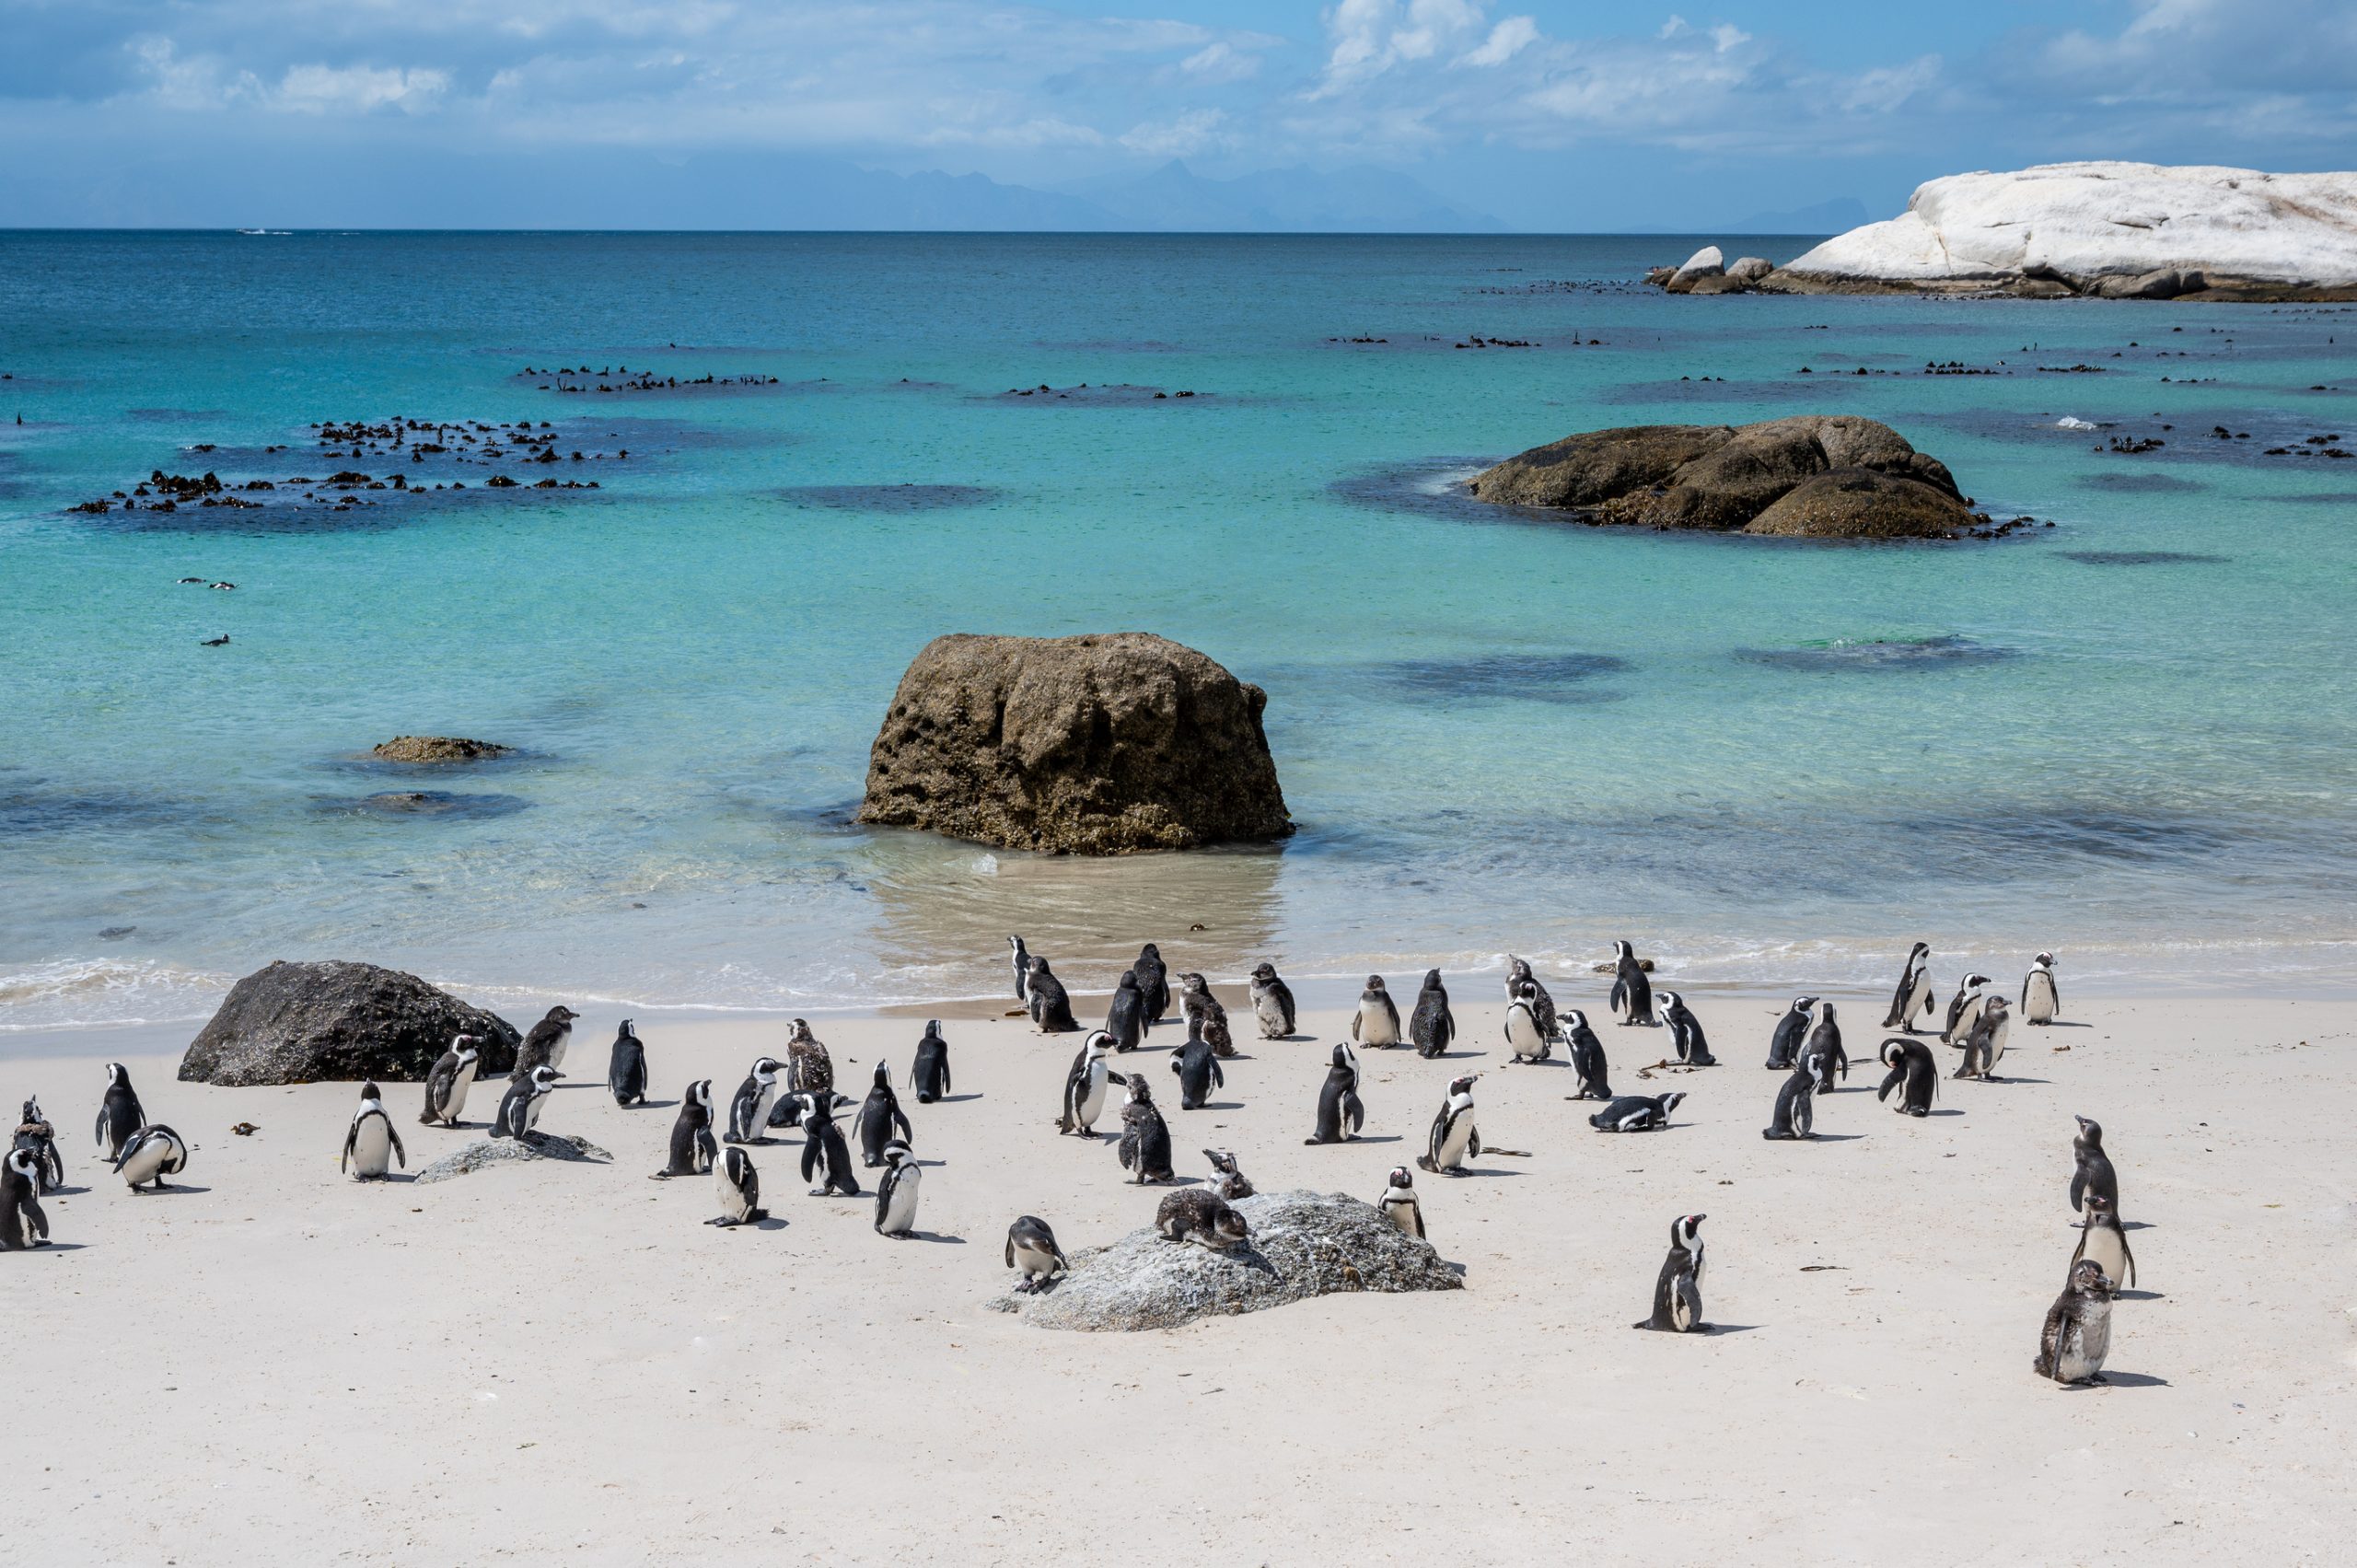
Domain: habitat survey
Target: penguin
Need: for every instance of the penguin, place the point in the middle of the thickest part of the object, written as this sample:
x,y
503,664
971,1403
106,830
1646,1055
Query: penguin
x,y
1636,1113
150,1154
1985,1046
2091,1172
1432,1028
626,1068
1198,1072
1912,1073
520,1109
2076,1336
739,1186
1587,1058
1686,1035
1400,1207
448,1081
1914,992
824,1145
1205,1015
1271,1002
748,1112
1824,1047
1146,1137
1340,1114
896,1193
1227,1178
548,1041
810,1070
1517,972
1784,1045
120,1114
879,1114
35,1135
370,1144
1795,1103
929,1072
1526,1041
1632,992
1377,1022
1677,1290
1454,1138
1964,1009
2102,1242
1021,958
2041,998
1193,1215
1153,984
693,1149
23,1225
1031,1247
1125,1015
1051,1007
1085,1086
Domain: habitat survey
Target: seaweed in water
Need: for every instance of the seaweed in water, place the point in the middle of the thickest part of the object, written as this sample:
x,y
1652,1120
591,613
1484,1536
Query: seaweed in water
x,y
421,803
889,498
1879,653
1540,678
2142,558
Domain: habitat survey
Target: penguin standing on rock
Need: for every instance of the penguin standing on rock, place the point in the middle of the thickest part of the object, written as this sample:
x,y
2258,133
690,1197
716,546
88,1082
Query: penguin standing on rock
x,y
448,1081
23,1225
2091,1172
1154,985
1636,1113
2076,1336
1678,1291
825,1147
930,1073
1686,1035
748,1108
626,1068
1204,1014
1125,1015
1984,1047
370,1144
1432,1028
1085,1086
519,1108
693,1149
1587,1058
1031,1247
1198,1072
1518,973
1377,1022
152,1154
896,1193
1400,1207
1796,1104
1633,991
1526,1041
1792,1029
1022,960
548,1041
739,1186
2041,997
1146,1137
1454,1138
1825,1049
1340,1114
1912,1073
1050,1006
120,1114
879,1114
1913,995
1271,1002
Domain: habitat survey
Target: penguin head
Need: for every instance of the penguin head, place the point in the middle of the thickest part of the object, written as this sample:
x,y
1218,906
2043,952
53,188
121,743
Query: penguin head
x,y
1099,1043
2098,1209
1826,1010
767,1068
1462,1088
699,1093
561,1015
626,1031
1975,978
1893,1051
1194,985
32,1116
1015,944
883,1075
1150,953
1574,1019
1667,1000
1128,981
1038,965
2046,960
1518,970
1921,950
1622,950
2087,1278
544,1079
933,1028
1141,1092
118,1075
1223,1163
897,1154
2090,1133
1804,1004
1685,1231
1229,1226
801,1033
1400,1179
370,1094
1373,984
467,1046
1432,981
1669,1103
1264,973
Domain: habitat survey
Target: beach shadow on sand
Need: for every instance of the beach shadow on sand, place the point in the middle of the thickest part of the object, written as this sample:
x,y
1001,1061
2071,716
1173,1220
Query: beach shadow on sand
x,y
168,1191
2118,1380
2140,1296
1827,1138
936,1235
952,1099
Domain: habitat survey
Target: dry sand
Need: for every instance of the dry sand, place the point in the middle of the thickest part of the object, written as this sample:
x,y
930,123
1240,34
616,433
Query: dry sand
x,y
275,1364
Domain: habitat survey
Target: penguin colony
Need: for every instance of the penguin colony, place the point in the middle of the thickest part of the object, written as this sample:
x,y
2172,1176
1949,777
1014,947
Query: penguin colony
x,y
1805,1045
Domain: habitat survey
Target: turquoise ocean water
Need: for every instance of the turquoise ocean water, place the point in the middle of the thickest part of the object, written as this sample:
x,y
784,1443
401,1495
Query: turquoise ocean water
x,y
2127,736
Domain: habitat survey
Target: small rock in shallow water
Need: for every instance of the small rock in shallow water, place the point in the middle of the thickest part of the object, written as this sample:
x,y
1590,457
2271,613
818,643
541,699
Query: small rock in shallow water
x,y
437,748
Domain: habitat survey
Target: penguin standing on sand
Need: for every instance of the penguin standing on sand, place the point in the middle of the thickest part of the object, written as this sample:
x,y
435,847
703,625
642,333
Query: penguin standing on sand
x,y
1377,1022
1636,1113
519,1108
693,1149
748,1108
1795,1103
739,1187
810,1070
120,1114
448,1081
879,1114
1204,1014
1792,1029
1526,1041
1432,1028
1984,1047
36,1136
2104,1243
152,1154
1154,985
1964,1009
548,1041
1400,1207
1085,1086
824,1145
1340,1114
1031,1247
1678,1291
1912,1073
1146,1137
23,1225
626,1067
1686,1035
1271,1002
1633,990
1198,1072
1517,973
1021,956
1913,994
1454,1138
929,1072
2091,1172
2041,998
2076,1337
1587,1058
896,1193
1824,1047
370,1144
1051,1007
1125,1015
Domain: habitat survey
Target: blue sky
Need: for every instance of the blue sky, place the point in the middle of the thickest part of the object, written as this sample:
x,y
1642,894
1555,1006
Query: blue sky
x,y
1562,116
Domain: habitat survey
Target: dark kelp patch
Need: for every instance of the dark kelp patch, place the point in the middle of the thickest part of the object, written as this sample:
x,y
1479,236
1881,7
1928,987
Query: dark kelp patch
x,y
1879,655
888,498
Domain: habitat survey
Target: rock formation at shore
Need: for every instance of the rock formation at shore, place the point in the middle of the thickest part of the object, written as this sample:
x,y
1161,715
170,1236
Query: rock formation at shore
x,y
1812,476
437,748
1104,744
1302,1244
299,1023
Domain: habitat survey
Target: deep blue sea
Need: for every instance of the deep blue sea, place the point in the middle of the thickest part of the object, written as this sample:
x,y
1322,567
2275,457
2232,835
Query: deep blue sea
x,y
2127,737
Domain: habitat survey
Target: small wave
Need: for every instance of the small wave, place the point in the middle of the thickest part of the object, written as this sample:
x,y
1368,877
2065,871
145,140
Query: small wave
x,y
86,992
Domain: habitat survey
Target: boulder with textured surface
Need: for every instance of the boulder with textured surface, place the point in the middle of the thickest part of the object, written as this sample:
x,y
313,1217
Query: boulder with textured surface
x,y
299,1023
1104,744
1704,266
437,748
485,1151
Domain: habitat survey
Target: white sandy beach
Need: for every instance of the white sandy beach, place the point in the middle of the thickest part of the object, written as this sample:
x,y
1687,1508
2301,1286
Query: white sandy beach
x,y
273,1365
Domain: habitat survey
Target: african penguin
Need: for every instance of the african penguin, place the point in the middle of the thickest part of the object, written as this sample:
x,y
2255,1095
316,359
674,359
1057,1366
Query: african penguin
x,y
1795,1103
626,1067
1432,1028
879,1114
1964,1008
1031,1247
1400,1207
2105,1243
1526,1041
1633,991
1912,1073
2076,1336
1517,972
693,1149
1085,1086
1227,1178
2041,997
1913,994
548,1041
1587,1058
1686,1035
1192,1213
929,1072
150,1154
824,1146
1784,1045
1021,958
448,1081
1454,1138
739,1187
35,1135
370,1143
1377,1022
2091,1172
896,1193
1198,1072
1677,1290
120,1115
1050,1006
1984,1046
1271,1002
1824,1047
1153,984
748,1108
1145,1148
810,1070
1636,1113
1125,1015
1205,1015
1340,1114
22,1224
519,1108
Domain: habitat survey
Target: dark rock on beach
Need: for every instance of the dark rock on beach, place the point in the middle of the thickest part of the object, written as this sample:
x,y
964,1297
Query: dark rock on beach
x,y
1104,744
436,748
531,1146
296,1023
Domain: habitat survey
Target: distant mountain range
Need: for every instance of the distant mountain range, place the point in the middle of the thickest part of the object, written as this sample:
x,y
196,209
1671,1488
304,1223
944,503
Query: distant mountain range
x,y
1836,216
1280,201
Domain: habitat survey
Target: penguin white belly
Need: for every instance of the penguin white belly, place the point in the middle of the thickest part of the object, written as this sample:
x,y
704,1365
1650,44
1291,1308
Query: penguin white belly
x,y
1522,1034
372,1148
732,1199
2039,1004
556,1051
459,1083
150,1158
1917,999
1376,1028
1031,1261
1453,1142
1090,1101
2104,1250
1997,1044
759,1118
900,1212
532,1112
1403,1216
1966,1019
1681,1304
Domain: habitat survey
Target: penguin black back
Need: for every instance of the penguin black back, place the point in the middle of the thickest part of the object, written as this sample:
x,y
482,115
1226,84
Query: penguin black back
x,y
1633,990
1677,1290
931,1072
626,1068
2091,1170
1912,1072
1340,1114
1051,1007
1153,984
692,1145
1199,1073
1125,1015
1792,1029
1825,1049
1431,1028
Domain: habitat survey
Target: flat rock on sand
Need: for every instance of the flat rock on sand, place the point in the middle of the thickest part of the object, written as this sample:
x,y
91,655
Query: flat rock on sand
x,y
1303,1244
531,1146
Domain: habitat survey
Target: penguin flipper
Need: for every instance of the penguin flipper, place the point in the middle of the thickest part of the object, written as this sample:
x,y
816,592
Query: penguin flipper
x,y
810,1157
351,1135
2078,1191
1219,1079
1353,1112
399,1153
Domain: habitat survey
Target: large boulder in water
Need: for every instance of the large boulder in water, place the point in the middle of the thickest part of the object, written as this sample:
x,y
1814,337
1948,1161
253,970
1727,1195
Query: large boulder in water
x,y
297,1022
1302,1244
1104,744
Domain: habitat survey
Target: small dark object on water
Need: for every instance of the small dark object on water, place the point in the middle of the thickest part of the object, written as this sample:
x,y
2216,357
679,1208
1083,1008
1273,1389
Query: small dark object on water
x,y
220,640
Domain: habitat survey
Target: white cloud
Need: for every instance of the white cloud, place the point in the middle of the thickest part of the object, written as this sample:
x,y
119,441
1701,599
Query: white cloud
x,y
1219,63
320,90
1198,131
1508,38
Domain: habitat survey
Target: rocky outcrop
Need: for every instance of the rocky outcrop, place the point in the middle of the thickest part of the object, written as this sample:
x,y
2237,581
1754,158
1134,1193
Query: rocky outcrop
x,y
299,1023
437,748
1105,744
1302,1244
485,1151
1845,477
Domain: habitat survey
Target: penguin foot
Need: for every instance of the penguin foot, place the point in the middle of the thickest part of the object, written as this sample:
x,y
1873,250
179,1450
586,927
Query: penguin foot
x,y
1423,1162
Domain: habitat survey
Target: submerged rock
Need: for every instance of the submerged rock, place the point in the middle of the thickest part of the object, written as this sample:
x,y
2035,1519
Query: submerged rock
x,y
1302,1244
510,1151
437,748
299,1023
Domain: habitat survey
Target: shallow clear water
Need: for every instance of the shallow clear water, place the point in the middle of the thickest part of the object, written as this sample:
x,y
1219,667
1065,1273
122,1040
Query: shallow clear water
x,y
2126,737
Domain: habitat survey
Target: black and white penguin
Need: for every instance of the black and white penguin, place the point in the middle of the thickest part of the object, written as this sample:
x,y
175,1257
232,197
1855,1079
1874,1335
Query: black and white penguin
x,y
1677,1290
548,1040
1154,985
1825,1049
739,1187
1454,1138
1377,1023
1085,1086
519,1108
2105,1243
150,1154
36,1136
23,1225
929,1072
1913,994
1632,989
1517,972
1146,1137
748,1108
1031,1247
1227,1178
1964,1009
810,1070
1792,1030
1198,1072
896,1193
2041,997
1637,1113
1587,1058
1195,1215
1796,1114
1984,1046
120,1114
879,1114
2076,1337
370,1144
1021,958
626,1067
1271,1002
824,1145
1340,1114
1912,1072
1400,1207
1432,1028
448,1081
1525,1041
1686,1035
2091,1172
1051,1007
692,1148
1125,1015
1204,1014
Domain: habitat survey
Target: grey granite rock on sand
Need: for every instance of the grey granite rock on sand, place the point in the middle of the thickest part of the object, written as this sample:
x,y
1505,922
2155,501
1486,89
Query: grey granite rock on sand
x,y
437,748
531,1146
297,1022
1105,744
1303,1244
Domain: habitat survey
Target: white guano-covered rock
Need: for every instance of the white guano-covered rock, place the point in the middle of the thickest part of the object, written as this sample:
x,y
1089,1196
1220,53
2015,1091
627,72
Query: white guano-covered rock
x,y
1708,262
